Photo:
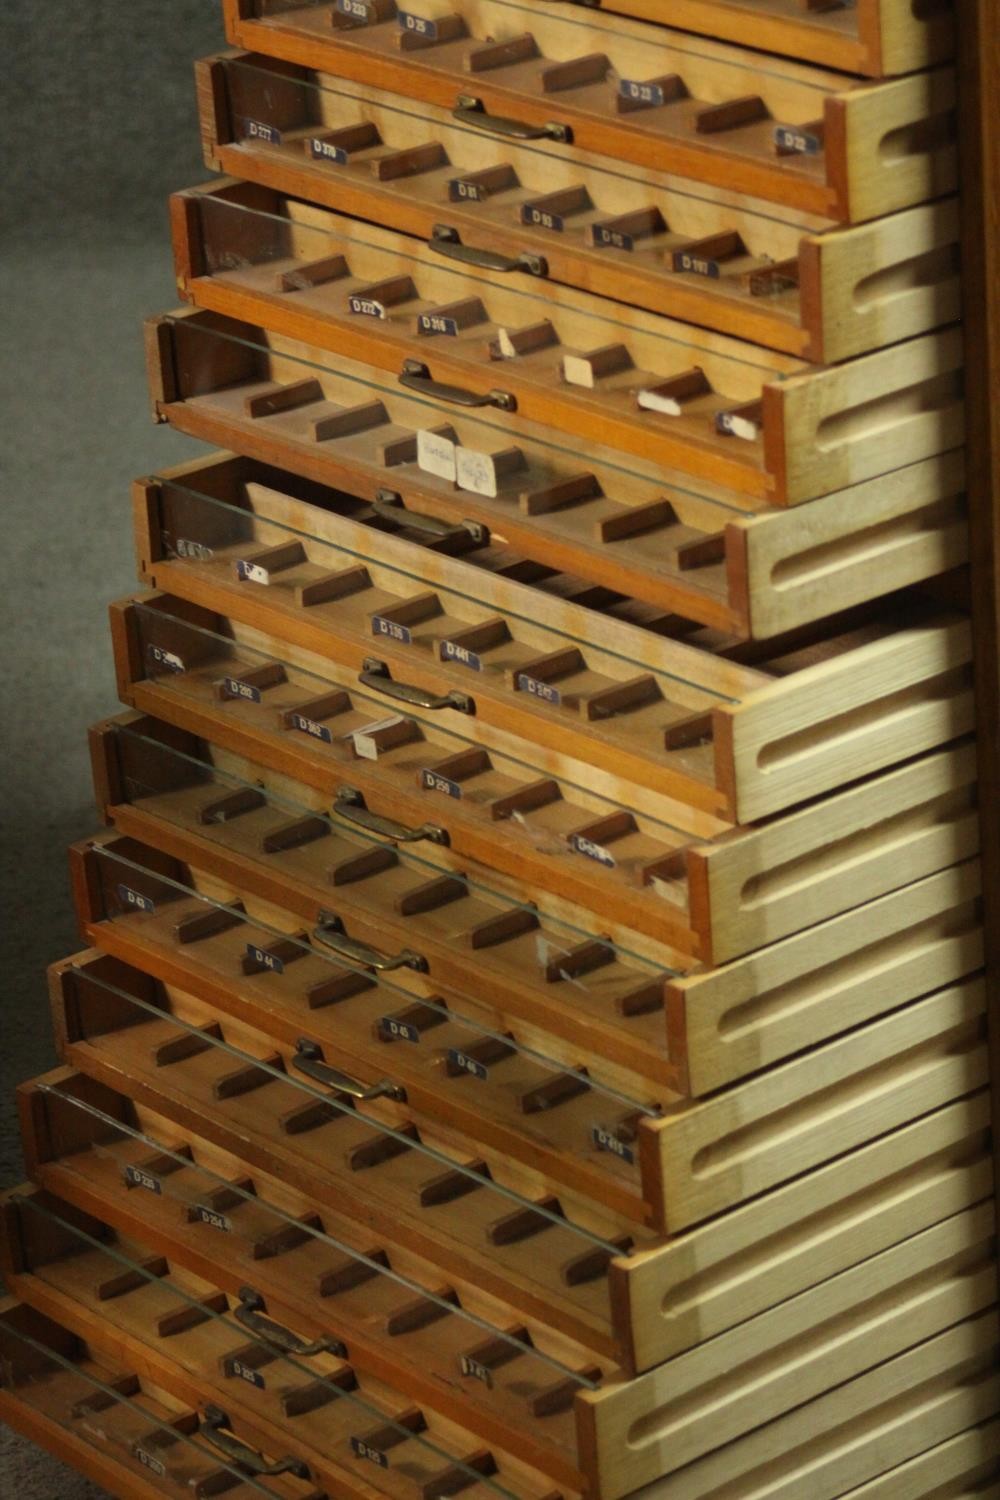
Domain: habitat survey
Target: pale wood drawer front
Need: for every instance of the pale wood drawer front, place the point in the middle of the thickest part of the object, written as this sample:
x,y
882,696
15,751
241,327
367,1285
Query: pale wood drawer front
x,y
792,135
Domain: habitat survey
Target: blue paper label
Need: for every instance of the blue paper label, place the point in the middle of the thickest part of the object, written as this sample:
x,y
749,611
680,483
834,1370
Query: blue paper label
x,y
154,1465
365,307
467,1064
211,1216
251,572
450,651
259,130
606,238
135,899
326,151
476,1371
431,323
432,782
267,960
461,190
161,657
543,690
801,142
644,95
606,1140
356,9
234,688
312,727
382,626
418,25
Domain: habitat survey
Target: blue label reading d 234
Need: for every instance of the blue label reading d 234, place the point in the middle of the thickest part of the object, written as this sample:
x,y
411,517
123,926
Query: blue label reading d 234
x,y
326,151
537,689
138,1177
645,95
397,1031
382,626
234,688
266,960
467,1064
432,782
311,727
129,897
211,1216
259,130
361,1449
244,1372
801,142
606,238
540,218
435,323
606,1140
449,651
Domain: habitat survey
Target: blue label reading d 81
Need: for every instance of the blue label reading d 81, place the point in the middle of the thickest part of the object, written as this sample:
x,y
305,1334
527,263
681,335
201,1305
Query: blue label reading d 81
x,y
645,95
266,960
450,651
382,626
543,690
234,688
606,1140
311,727
361,1449
135,899
466,1064
259,130
801,142
432,782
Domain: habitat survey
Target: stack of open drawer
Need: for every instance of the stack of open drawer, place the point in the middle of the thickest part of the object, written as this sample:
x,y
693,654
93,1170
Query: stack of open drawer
x,y
531,1039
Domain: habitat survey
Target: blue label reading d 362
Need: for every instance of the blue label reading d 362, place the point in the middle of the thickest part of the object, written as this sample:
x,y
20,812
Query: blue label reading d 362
x,y
467,1064
382,626
543,690
450,651
432,782
311,727
259,130
135,899
606,1140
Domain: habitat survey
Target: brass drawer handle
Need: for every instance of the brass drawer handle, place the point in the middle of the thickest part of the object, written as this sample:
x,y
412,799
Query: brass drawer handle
x,y
214,1423
309,1060
330,933
447,241
472,111
388,506
417,377
252,1314
375,674
350,804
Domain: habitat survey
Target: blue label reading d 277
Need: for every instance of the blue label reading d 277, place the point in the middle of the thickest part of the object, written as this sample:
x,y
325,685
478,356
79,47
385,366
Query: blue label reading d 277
x,y
234,688
802,142
161,657
591,850
311,727
382,626
322,150
449,651
259,130
606,238
538,689
211,1216
696,265
418,26
135,899
392,1030
540,218
645,95
266,960
605,1140
431,323
467,1064
432,782
361,1449
244,1372
138,1177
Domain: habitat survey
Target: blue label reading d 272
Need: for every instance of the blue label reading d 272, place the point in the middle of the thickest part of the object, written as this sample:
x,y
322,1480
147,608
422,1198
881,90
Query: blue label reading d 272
x,y
135,899
431,323
361,1449
432,782
606,1140
244,1372
266,960
540,218
259,130
543,690
311,727
322,150
644,95
467,1064
801,142
138,1177
449,651
234,688
392,1030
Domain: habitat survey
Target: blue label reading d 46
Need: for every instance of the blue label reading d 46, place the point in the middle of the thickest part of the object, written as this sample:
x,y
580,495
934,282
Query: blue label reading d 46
x,y
466,1064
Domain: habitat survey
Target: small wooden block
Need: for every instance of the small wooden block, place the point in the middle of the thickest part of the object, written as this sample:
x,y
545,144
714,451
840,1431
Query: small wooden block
x,y
730,114
622,231
488,1051
283,950
704,257
592,1264
599,364
561,1396
413,611
455,1477
371,740
363,12
382,1148
694,729
293,834
348,1274
362,866
282,398
374,299
431,895
255,679
573,963
621,698
312,273
636,520
132,1280
422,1312
476,187
524,1223
668,396
549,1095
449,1187
515,49
527,798
549,211
257,566
338,145
552,667
482,473
307,1398
178,1049
246,1079
311,1116
347,421
560,494
576,73
411,1022
202,924
703,553
231,805
323,992
331,586
646,1000
474,640
451,318
501,928
409,163
288,1237
510,342
183,1318
771,280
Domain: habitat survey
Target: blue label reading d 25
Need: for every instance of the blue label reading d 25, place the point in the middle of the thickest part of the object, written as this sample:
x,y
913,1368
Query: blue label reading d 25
x,y
432,782
392,1030
538,689
361,1449
259,130
449,651
138,1177
802,142
311,727
135,899
606,1140
466,1064
382,626
645,95
418,25
266,960
234,688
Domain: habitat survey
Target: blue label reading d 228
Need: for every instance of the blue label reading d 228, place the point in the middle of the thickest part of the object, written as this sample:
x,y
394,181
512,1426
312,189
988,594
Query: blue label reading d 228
x,y
449,651
259,130
361,1449
538,689
801,142
129,897
646,95
311,727
266,960
467,1064
606,1140
432,782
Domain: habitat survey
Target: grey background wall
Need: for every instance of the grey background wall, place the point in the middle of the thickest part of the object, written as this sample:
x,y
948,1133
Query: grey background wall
x,y
99,127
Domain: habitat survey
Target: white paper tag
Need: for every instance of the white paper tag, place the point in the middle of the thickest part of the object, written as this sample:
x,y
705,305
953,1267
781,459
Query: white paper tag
x,y
475,471
436,454
364,740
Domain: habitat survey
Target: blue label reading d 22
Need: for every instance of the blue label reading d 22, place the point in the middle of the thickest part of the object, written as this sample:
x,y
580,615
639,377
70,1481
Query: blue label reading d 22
x,y
606,1140
606,238
802,142
431,323
538,689
266,960
312,727
259,130
540,218
398,1031
646,95
326,151
138,1177
591,850
361,1449
244,1372
696,265
129,897
450,651
234,688
467,1064
432,782
382,626
211,1216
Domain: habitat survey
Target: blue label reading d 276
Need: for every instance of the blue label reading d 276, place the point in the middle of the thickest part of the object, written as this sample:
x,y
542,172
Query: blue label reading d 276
x,y
591,850
361,1449
449,651
540,218
326,151
802,142
138,1177
244,1372
418,26
266,960
431,323
234,688
606,238
259,130
311,727
382,626
392,1030
644,95
432,782
538,689
135,899
606,1140
467,1064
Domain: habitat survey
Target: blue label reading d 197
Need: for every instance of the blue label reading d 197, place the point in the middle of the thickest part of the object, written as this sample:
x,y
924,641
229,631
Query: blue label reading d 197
x,y
311,727
135,899
432,782
259,130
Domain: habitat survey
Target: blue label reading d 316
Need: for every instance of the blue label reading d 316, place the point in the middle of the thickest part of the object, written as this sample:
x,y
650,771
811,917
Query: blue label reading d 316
x,y
432,782
543,690
135,899
311,727
449,651
434,323
606,1140
467,1064
259,130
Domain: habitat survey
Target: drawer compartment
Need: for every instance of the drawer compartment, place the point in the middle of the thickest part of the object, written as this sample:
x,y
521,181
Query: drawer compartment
x,y
926,1283
736,742
76,1395
695,1159
769,439
775,276
715,1027
700,110
585,1274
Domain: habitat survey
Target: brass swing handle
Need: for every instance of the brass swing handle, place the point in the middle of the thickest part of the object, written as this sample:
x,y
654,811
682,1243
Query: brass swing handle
x,y
330,934
351,805
470,110
447,241
388,506
417,377
251,1312
375,674
308,1059
214,1423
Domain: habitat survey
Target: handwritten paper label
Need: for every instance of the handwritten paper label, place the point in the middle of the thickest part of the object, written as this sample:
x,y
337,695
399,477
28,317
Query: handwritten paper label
x,y
436,454
398,1031
139,1177
476,1371
322,150
642,95
161,657
130,897
467,1064
260,130
361,1449
543,690
266,960
234,688
194,550
798,142
450,651
591,850
251,572
432,782
312,727
606,1140
244,1372
154,1465
382,626
540,218
434,323
211,1216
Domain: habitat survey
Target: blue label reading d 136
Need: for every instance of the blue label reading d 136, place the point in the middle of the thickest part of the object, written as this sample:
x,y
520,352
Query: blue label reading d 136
x,y
311,727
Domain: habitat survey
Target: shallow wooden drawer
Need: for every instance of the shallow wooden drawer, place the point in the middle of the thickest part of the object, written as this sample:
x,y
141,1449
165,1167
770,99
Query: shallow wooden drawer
x,y
705,1392
81,1399
565,989
643,1148
776,276
875,37
583,1272
775,440
642,94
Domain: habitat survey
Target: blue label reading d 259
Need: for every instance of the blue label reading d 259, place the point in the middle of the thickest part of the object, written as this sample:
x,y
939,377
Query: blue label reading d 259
x,y
432,782
259,130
